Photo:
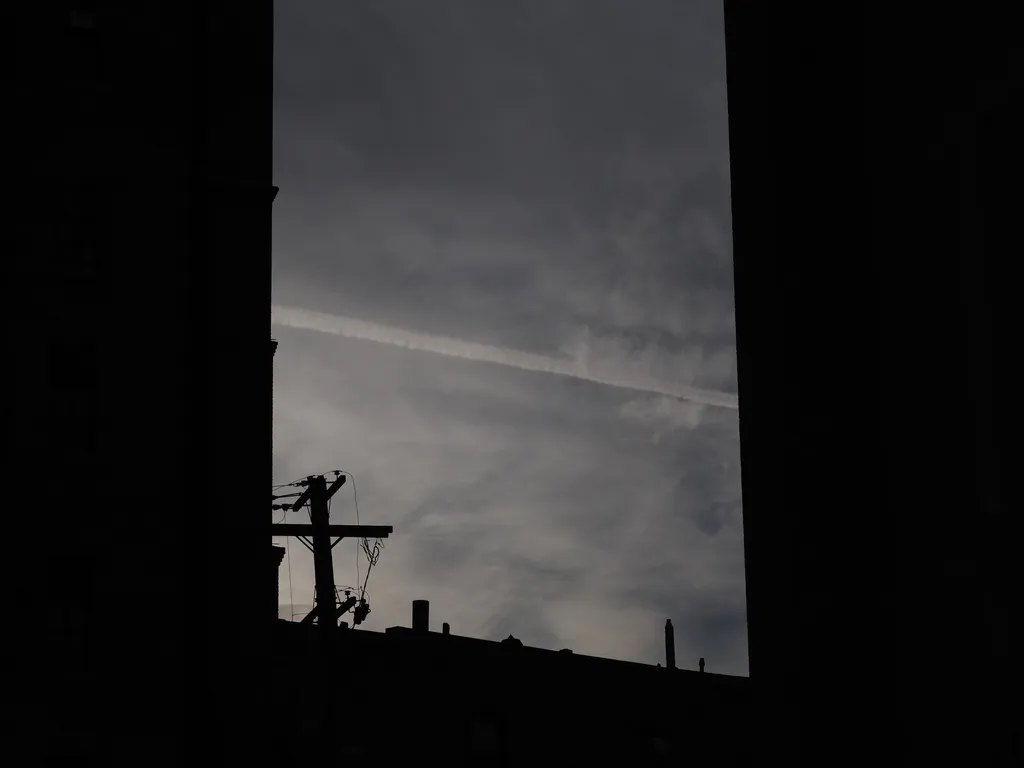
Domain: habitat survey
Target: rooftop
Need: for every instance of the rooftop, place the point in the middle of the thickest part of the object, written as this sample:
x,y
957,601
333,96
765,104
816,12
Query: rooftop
x,y
399,643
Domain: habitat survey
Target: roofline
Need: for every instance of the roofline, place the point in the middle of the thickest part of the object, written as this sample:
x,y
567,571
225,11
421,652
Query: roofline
x,y
440,639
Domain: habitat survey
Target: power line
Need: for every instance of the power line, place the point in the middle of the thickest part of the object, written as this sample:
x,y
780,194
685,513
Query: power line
x,y
360,543
288,557
355,496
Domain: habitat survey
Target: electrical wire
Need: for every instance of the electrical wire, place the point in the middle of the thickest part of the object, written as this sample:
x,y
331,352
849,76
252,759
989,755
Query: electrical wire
x,y
362,543
295,483
355,496
372,558
288,557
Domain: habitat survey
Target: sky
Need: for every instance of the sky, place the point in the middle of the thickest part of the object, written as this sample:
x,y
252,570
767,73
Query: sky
x,y
503,295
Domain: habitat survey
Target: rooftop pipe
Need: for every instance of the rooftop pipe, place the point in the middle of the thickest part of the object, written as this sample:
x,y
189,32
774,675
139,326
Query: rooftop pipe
x,y
670,645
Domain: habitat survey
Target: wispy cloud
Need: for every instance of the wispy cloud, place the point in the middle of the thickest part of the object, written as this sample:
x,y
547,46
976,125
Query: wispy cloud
x,y
583,367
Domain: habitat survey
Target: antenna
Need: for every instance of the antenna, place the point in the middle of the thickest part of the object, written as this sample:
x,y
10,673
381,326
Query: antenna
x,y
670,645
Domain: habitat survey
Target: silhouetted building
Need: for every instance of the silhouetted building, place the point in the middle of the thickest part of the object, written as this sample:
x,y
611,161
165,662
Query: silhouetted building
x,y
475,702
876,165
143,390
408,694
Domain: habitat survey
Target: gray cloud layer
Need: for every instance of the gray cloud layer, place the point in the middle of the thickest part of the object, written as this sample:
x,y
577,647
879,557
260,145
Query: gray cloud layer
x,y
548,178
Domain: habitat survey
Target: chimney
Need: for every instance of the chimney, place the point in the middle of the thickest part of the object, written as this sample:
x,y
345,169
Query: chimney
x,y
670,645
701,663
420,615
445,629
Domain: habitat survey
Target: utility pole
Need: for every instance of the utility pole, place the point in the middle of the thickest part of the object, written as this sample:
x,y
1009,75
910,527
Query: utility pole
x,y
323,563
317,538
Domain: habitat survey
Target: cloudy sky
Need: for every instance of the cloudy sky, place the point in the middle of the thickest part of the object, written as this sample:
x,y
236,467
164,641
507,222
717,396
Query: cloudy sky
x,y
503,295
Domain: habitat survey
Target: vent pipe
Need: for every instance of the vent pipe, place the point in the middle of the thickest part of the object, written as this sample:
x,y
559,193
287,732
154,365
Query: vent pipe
x,y
420,615
670,645
445,629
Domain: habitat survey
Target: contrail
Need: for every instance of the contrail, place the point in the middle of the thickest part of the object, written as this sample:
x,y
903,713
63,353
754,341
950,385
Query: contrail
x,y
294,317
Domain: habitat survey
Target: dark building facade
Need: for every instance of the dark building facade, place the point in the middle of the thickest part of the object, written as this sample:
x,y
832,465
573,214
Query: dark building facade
x,y
143,268
875,164
409,695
